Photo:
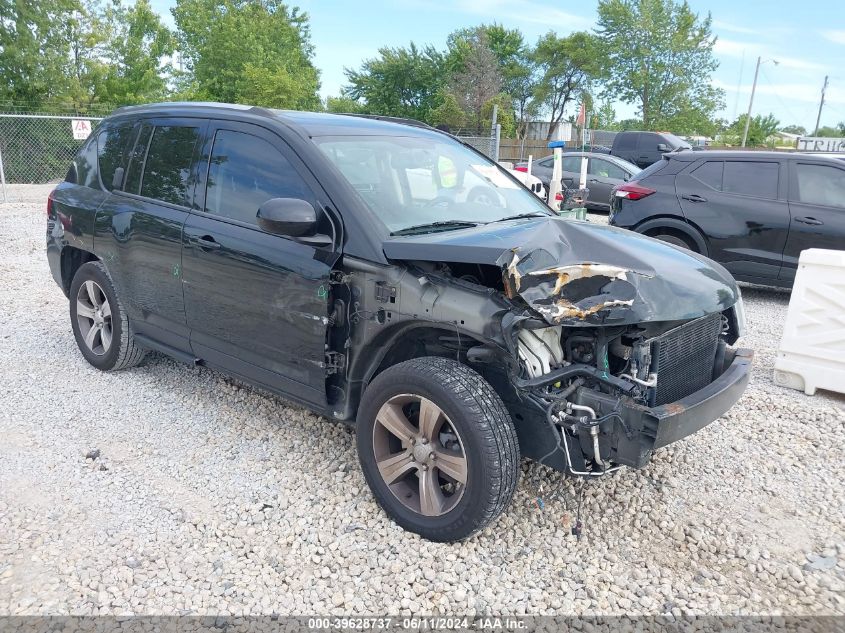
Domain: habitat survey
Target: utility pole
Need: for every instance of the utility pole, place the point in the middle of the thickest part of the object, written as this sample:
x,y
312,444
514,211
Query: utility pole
x,y
821,105
750,103
751,100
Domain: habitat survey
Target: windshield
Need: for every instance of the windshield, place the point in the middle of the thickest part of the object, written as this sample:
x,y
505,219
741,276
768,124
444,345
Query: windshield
x,y
675,142
412,181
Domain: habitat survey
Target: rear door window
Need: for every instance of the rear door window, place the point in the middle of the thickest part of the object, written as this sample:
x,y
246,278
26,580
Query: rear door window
x,y
820,184
572,163
244,172
606,169
751,178
168,164
111,149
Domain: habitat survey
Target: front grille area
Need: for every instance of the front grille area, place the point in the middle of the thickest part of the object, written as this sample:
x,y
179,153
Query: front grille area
x,y
684,357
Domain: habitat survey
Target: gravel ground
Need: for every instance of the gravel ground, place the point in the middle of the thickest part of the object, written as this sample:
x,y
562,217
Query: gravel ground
x,y
214,498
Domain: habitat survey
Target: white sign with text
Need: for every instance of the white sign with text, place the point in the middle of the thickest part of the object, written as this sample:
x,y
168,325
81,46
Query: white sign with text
x,y
81,129
820,144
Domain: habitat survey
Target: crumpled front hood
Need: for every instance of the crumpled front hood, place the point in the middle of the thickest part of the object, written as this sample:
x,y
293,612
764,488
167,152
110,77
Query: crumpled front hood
x,y
572,273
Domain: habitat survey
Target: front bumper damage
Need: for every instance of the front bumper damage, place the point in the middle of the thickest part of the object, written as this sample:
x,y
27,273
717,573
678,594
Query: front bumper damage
x,y
599,432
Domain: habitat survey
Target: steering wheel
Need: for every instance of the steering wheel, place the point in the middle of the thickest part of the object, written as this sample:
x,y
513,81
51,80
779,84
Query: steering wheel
x,y
438,201
485,196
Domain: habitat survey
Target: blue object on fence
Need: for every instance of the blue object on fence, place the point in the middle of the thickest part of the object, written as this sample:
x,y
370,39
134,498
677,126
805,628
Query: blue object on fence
x,y
553,144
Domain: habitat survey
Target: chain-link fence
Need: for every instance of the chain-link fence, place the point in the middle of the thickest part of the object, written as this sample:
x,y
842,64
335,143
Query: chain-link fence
x,y
37,148
601,137
485,142
518,150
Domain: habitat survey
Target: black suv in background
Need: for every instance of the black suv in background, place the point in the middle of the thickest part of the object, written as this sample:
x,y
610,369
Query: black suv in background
x,y
387,275
645,148
753,212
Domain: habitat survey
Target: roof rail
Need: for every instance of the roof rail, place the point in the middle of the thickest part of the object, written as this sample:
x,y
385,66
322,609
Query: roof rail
x,y
393,119
402,121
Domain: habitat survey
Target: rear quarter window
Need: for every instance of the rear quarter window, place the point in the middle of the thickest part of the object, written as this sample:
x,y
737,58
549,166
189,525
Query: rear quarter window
x,y
112,143
710,173
83,171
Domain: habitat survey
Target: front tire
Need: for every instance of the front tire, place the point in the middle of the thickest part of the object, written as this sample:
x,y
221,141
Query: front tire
x,y
100,326
437,447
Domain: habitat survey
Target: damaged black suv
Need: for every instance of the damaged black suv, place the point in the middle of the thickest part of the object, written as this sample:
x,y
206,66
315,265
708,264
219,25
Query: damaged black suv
x,y
382,273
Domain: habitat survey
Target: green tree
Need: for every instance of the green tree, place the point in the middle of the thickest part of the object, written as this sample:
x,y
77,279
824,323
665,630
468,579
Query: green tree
x,y
402,82
659,56
516,68
693,115
85,68
829,131
794,129
504,115
34,50
475,76
252,51
448,113
759,130
344,105
136,44
568,66
604,117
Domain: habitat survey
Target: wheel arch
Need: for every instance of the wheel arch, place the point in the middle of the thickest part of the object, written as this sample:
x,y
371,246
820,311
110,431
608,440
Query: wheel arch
x,y
415,339
404,341
71,260
685,228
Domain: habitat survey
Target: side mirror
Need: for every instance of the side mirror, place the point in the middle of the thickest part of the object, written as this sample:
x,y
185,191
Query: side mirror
x,y
662,147
287,216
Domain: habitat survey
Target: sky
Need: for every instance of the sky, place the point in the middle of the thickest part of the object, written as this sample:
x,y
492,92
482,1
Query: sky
x,y
806,38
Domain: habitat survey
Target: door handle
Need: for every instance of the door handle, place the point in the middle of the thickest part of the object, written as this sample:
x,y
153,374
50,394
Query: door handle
x,y
594,179
694,197
809,220
208,243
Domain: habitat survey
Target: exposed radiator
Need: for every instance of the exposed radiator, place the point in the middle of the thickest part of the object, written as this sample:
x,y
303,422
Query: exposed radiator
x,y
684,358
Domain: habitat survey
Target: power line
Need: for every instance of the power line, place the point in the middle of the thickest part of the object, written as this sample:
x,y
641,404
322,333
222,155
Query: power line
x,y
787,108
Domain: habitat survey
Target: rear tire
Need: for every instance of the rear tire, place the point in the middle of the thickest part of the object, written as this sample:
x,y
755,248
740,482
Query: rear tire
x,y
676,240
100,326
425,425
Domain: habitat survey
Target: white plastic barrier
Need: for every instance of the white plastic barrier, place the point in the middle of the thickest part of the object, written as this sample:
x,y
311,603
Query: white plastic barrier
x,y
812,351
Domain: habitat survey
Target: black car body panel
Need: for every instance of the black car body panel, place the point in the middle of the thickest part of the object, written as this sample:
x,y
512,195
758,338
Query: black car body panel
x,y
742,209
315,317
646,148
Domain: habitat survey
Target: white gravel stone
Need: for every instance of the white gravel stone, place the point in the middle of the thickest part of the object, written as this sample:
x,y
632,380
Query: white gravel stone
x,y
217,498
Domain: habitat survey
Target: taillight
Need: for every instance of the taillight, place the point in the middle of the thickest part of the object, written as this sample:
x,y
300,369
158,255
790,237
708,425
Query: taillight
x,y
633,191
49,207
522,168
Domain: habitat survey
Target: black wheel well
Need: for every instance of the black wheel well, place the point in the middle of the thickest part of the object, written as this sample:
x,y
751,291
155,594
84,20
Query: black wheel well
x,y
72,259
421,341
